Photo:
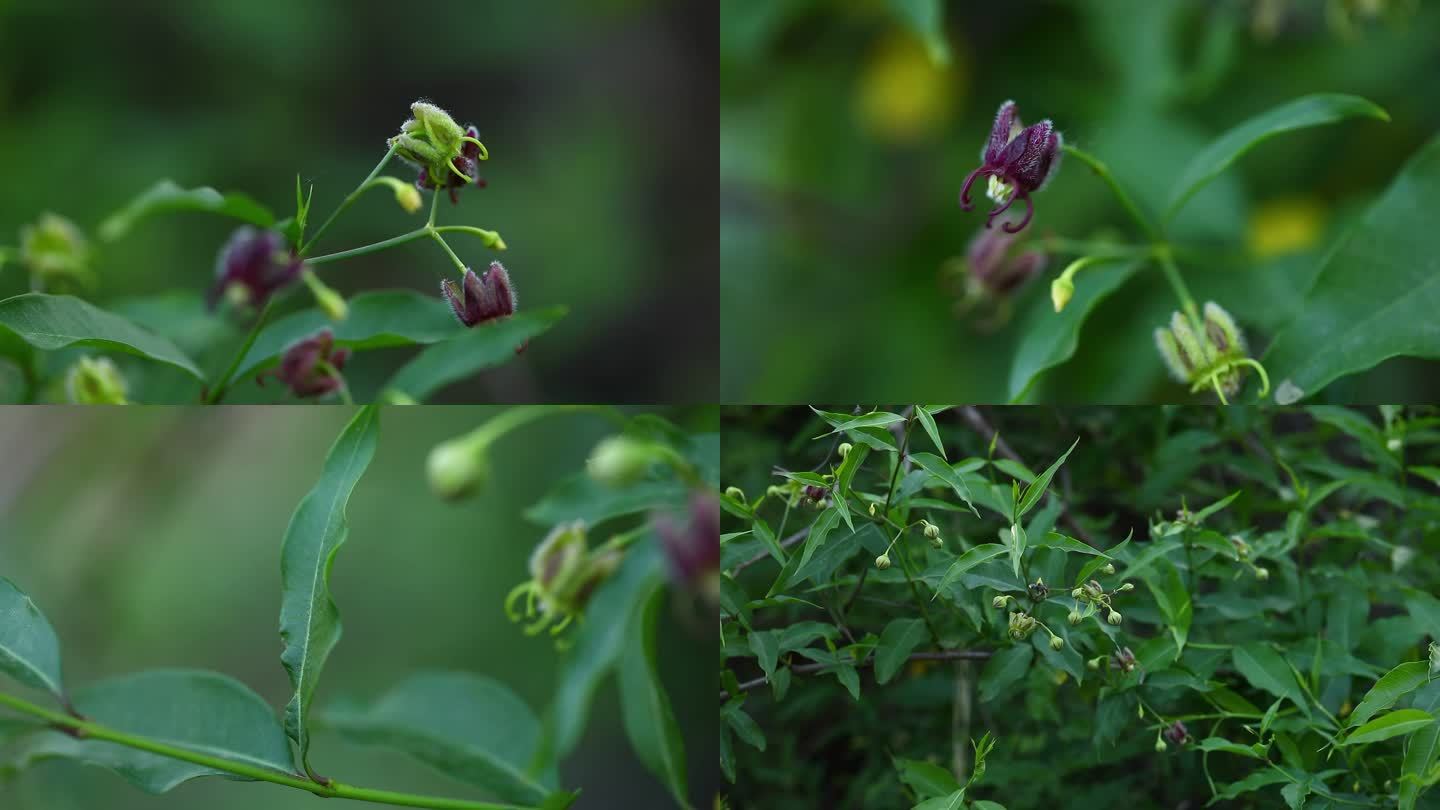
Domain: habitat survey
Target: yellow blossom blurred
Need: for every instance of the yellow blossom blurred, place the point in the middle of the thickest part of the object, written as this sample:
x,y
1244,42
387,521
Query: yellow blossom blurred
x,y
1285,225
903,97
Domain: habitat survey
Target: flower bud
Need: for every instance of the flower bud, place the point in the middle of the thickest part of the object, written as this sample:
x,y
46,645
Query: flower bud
x,y
1074,617
406,195
1078,593
931,530
1261,573
1107,568
480,299
1126,587
844,448
692,549
883,561
311,367
872,510
1394,445
1057,643
330,302
1062,289
1160,746
1000,601
253,266
936,542
1094,663
1113,617
456,468
1021,626
54,249
619,461
735,494
95,381
1176,733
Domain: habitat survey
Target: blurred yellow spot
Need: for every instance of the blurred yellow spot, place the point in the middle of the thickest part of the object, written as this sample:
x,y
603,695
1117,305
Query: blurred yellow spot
x,y
903,96
919,668
1285,225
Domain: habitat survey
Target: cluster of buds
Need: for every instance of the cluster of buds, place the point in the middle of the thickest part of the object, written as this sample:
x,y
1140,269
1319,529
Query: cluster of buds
x,y
932,533
564,573
447,155
1208,351
1093,598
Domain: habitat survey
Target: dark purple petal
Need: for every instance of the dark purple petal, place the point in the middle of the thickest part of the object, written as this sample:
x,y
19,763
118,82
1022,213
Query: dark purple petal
x,y
257,262
692,551
303,366
1029,157
1005,122
479,299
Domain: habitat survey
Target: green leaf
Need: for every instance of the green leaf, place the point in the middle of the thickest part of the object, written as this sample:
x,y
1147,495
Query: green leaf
x,y
1019,541
766,646
1307,111
845,476
926,778
1049,338
848,678
1099,561
165,197
1395,684
473,350
580,497
955,801
204,712
814,540
1421,753
899,639
979,554
309,620
927,420
938,468
50,322
1199,517
649,720
466,726
1375,287
1394,724
927,19
1064,543
29,650
1173,600
847,422
599,644
1035,490
1004,668
376,320
1267,671
743,725
1212,744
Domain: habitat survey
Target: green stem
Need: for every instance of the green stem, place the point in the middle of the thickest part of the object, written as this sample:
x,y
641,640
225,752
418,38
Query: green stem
x,y
91,730
344,390
459,265
222,383
1101,169
1172,275
376,247
510,419
350,199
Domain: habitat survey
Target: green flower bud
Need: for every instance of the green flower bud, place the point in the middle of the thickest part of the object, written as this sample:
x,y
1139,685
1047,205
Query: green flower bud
x,y
455,469
936,542
1094,663
1261,573
735,494
883,561
406,195
1021,626
618,461
95,381
931,530
330,302
1160,746
1113,617
1057,643
872,510
1107,568
1394,445
54,249
845,449
1062,289
1078,593
1000,601
1126,587
1074,617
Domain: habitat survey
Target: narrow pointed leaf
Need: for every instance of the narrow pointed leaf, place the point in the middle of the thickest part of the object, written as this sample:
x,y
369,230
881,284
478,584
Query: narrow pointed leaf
x,y
50,322
649,719
1394,724
470,352
1374,294
1035,490
166,197
1395,684
900,638
309,619
1048,338
29,650
205,712
1308,111
466,726
940,469
1173,600
927,420
979,554
1267,671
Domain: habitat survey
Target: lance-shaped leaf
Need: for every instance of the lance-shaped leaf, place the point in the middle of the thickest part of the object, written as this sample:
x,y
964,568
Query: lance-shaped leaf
x,y
1266,670
900,638
979,554
938,468
309,620
470,352
1308,111
29,650
466,726
1395,684
166,197
1394,724
50,322
205,712
1375,294
649,720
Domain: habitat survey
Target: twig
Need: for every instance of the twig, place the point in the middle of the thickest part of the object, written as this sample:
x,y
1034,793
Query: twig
x,y
941,655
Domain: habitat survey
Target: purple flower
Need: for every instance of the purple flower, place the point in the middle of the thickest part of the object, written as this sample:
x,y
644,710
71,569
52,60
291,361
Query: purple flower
x,y
1176,733
255,264
993,267
468,162
692,550
311,367
478,299
1018,162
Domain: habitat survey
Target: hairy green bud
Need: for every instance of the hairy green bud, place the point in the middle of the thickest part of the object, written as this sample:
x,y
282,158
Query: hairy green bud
x,y
883,561
1057,643
95,381
1114,617
845,448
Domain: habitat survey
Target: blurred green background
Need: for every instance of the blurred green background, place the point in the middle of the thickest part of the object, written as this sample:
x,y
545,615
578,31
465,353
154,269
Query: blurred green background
x,y
592,111
151,539
843,145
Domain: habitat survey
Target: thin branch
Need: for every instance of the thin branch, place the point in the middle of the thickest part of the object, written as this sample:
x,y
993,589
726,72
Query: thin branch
x,y
805,669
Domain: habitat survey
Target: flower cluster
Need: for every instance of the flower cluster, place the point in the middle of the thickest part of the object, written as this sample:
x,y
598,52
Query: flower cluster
x,y
1207,351
447,156
1092,598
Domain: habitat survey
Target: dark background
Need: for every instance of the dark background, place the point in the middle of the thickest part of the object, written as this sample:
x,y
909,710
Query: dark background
x,y
597,115
843,148
150,537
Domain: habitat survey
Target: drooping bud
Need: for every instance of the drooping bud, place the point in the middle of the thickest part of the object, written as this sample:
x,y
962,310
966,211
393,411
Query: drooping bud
x,y
1126,587
1262,573
619,461
406,195
692,550
1160,746
311,367
1107,568
1074,617
1094,663
872,510
480,299
253,266
1114,617
329,301
845,448
735,494
1000,601
936,542
1062,289
931,530
1057,643
457,468
1021,626
883,561
95,381
54,249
